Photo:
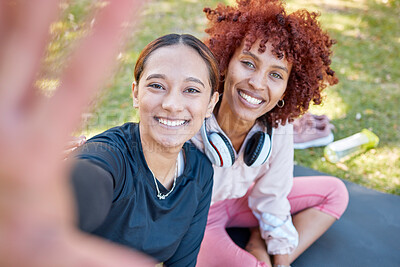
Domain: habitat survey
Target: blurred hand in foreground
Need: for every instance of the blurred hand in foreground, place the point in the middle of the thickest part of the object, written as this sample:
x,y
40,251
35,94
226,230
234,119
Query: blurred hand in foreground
x,y
37,216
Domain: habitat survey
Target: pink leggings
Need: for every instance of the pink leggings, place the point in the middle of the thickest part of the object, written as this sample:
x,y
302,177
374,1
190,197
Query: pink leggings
x,y
325,193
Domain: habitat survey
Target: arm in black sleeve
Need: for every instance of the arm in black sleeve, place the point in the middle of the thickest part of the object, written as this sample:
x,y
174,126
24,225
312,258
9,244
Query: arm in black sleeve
x,y
186,254
93,188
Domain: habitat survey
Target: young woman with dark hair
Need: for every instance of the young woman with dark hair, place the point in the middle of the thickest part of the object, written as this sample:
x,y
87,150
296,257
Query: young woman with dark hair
x,y
141,184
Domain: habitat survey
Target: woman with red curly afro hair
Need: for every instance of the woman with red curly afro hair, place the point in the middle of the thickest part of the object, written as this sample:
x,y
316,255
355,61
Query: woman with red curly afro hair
x,y
273,65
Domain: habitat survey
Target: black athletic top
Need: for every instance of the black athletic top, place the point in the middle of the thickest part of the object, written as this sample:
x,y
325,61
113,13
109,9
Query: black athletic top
x,y
117,200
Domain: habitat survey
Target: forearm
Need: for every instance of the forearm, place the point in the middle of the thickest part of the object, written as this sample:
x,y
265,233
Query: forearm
x,y
93,188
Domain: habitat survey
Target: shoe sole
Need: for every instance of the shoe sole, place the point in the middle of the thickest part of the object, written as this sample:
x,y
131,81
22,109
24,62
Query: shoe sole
x,y
315,143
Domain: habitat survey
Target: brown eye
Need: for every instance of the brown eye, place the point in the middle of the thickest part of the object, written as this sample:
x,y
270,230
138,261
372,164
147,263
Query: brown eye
x,y
248,64
192,90
277,76
156,86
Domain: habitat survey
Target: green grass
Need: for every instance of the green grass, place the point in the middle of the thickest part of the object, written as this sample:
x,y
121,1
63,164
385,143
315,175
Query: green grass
x,y
366,59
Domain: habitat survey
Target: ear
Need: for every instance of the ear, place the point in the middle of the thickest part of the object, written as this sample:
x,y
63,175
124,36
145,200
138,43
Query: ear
x,y
211,104
283,96
135,95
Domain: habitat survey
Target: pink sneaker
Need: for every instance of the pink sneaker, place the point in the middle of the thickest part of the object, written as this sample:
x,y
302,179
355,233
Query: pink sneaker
x,y
312,131
311,120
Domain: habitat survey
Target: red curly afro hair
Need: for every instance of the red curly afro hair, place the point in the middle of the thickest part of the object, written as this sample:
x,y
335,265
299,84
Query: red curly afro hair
x,y
297,36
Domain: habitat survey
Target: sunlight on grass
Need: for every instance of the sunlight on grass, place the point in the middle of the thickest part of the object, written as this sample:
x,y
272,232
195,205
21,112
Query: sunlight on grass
x,y
333,105
58,27
344,23
47,86
327,6
377,168
161,10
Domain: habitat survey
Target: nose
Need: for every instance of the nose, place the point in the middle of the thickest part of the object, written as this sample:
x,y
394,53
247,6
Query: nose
x,y
258,81
172,102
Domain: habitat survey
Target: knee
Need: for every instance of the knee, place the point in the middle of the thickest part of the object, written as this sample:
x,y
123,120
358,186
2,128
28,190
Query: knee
x,y
338,197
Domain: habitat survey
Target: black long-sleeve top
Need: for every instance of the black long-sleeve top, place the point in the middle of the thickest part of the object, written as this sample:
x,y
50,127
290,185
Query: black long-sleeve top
x,y
116,197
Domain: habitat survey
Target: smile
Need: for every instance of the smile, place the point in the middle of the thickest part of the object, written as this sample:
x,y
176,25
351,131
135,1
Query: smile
x,y
171,123
250,99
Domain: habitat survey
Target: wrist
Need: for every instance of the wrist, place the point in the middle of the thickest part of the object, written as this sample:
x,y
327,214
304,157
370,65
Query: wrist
x,y
281,260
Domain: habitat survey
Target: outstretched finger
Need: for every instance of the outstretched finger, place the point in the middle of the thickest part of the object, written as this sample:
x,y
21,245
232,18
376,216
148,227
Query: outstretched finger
x,y
24,33
90,65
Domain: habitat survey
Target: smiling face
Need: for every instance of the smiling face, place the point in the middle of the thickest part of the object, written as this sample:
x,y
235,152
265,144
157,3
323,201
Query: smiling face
x,y
254,83
173,96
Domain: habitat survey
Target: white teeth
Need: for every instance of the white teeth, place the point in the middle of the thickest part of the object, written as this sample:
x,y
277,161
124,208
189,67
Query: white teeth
x,y
250,99
171,123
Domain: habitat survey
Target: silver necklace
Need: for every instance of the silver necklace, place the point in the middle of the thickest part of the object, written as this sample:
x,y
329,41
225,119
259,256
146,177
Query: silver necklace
x,y
159,194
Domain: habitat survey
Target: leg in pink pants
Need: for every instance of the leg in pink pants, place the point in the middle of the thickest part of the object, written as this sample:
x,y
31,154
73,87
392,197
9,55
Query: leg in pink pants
x,y
217,248
325,193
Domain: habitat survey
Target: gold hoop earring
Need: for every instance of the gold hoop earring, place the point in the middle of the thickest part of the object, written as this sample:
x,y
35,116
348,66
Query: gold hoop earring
x,y
280,103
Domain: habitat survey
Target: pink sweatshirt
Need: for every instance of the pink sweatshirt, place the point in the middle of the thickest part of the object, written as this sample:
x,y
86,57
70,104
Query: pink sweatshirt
x,y
272,183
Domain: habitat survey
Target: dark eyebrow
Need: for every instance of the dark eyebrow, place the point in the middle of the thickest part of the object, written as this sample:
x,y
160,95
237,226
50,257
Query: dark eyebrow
x,y
251,54
280,67
192,79
155,76
258,59
162,76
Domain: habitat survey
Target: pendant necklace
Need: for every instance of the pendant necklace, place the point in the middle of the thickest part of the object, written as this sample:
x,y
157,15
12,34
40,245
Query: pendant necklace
x,y
159,194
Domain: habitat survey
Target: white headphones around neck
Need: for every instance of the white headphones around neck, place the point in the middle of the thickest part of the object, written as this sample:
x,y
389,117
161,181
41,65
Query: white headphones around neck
x,y
221,153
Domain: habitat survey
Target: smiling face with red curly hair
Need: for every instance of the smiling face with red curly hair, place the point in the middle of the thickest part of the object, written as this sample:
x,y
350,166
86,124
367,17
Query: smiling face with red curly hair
x,y
296,37
254,83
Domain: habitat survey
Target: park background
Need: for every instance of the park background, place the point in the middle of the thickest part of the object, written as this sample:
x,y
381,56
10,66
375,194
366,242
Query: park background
x,y
366,59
